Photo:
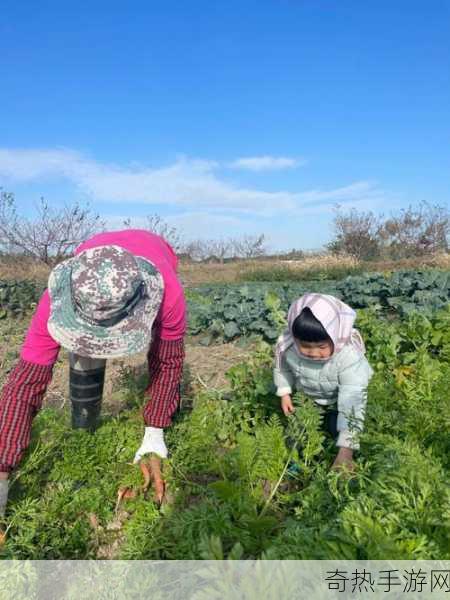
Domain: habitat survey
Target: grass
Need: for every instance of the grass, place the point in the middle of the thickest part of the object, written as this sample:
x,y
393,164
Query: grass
x,y
12,332
194,274
330,267
12,268
286,273
229,493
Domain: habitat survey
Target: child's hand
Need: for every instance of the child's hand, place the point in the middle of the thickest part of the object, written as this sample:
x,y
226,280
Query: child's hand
x,y
344,461
286,405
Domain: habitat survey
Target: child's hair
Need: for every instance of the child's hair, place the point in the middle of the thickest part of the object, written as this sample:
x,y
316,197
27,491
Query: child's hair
x,y
306,328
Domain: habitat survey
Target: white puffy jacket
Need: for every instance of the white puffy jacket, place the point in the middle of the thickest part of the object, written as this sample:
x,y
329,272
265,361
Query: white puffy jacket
x,y
341,379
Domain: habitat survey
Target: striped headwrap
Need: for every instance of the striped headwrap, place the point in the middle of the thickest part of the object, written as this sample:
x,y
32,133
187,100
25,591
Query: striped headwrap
x,y
336,317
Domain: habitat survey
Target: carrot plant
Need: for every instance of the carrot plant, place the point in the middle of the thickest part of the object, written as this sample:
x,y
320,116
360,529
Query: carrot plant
x,y
229,490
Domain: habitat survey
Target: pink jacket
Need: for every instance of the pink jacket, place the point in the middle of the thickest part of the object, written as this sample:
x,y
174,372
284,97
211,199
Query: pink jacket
x,y
40,348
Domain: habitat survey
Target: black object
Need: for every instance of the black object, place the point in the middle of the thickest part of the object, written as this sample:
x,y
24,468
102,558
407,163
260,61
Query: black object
x,y
329,423
86,391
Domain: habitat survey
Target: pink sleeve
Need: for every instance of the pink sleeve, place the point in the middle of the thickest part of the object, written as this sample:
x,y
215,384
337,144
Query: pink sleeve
x,y
173,257
173,323
39,347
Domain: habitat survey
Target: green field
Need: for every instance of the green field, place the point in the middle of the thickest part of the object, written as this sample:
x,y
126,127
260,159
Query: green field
x,y
229,493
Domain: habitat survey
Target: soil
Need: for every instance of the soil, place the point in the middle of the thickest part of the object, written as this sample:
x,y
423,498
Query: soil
x,y
205,367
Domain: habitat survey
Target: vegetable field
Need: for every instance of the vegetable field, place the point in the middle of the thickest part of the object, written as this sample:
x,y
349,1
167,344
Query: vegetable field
x,y
17,297
230,491
227,312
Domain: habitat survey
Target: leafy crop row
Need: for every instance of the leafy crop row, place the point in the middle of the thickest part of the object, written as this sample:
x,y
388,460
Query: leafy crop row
x,y
17,297
231,493
233,310
253,309
230,311
403,291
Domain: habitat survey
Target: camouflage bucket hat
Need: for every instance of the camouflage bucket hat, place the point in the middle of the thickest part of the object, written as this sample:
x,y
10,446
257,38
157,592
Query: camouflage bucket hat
x,y
103,302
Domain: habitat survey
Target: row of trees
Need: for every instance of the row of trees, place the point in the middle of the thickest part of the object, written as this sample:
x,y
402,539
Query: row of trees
x,y
245,246
415,231
53,234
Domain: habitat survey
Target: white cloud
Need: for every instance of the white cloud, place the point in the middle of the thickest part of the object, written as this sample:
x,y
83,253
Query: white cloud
x,y
187,185
209,224
266,163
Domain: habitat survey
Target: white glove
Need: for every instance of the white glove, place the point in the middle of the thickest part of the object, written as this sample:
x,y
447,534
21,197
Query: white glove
x,y
3,496
153,442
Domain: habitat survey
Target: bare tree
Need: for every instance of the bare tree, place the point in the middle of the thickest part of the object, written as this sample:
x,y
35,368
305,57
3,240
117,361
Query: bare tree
x,y
416,231
356,233
294,254
245,247
157,224
193,249
249,246
201,250
49,237
218,249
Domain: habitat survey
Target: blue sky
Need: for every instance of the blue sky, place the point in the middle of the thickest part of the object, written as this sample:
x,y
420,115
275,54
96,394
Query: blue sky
x,y
227,118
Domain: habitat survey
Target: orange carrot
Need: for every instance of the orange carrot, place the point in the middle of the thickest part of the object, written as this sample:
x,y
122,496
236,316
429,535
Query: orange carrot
x,y
93,520
146,473
129,494
155,466
124,493
120,496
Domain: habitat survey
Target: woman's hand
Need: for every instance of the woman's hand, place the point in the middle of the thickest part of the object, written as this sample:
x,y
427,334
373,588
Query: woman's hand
x,y
286,405
153,442
344,461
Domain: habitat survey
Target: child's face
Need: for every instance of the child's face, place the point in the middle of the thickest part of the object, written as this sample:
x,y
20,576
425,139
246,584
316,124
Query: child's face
x,y
315,350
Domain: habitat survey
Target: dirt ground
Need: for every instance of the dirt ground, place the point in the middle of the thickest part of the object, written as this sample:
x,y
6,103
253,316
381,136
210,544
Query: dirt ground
x,y
205,367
